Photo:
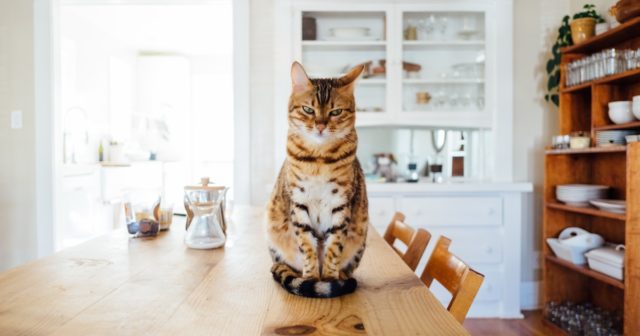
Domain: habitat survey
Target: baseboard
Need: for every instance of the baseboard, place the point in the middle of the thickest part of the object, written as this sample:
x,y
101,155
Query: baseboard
x,y
530,295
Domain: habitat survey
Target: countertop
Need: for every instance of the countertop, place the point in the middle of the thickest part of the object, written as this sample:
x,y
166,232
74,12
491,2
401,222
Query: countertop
x,y
466,186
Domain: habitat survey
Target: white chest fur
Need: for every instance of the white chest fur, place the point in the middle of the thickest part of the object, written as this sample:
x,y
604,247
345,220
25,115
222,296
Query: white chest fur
x,y
319,197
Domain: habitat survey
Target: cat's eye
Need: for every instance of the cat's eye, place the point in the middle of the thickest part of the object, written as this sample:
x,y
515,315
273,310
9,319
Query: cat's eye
x,y
307,110
335,112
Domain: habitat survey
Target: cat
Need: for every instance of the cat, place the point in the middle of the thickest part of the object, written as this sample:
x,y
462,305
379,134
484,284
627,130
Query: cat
x,y
317,217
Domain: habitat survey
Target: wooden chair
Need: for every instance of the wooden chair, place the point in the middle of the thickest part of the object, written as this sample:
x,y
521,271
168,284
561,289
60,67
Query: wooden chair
x,y
453,274
415,240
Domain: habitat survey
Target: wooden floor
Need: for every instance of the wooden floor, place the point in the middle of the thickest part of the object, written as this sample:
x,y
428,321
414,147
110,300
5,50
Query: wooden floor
x,y
530,325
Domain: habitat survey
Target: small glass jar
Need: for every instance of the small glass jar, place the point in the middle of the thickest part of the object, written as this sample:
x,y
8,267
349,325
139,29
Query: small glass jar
x,y
611,61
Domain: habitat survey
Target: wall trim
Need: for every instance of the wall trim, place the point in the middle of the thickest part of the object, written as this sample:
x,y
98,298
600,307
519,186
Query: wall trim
x,y
530,295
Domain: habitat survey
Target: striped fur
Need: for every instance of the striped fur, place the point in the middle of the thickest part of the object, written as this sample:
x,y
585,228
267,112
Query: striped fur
x,y
291,281
318,212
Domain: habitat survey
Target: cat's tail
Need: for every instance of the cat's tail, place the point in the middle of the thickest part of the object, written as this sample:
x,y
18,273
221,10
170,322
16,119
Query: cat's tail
x,y
291,281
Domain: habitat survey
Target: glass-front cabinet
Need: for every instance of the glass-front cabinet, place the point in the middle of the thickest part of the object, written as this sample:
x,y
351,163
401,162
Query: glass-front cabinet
x,y
430,67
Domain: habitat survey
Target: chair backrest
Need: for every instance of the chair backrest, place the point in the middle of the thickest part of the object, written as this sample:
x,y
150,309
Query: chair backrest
x,y
455,275
415,240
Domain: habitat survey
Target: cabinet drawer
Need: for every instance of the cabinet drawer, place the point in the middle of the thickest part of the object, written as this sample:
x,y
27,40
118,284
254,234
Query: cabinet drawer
x,y
452,211
492,285
381,209
472,245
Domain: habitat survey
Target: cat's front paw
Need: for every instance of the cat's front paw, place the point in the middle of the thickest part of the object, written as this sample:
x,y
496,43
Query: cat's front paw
x,y
315,274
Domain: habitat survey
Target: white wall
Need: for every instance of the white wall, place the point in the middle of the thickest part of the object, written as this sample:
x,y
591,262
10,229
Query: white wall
x,y
18,236
261,48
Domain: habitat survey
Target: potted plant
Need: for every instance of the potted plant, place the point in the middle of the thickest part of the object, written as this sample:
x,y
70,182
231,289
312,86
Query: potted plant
x,y
584,24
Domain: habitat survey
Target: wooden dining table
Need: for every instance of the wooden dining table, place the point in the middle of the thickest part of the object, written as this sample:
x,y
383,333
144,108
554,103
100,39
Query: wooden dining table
x,y
118,285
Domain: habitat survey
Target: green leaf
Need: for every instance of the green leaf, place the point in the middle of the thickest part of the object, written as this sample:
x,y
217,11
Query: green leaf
x,y
551,82
546,97
555,99
556,79
550,66
554,49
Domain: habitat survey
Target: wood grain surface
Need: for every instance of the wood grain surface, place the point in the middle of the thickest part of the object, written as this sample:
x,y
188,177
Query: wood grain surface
x,y
116,285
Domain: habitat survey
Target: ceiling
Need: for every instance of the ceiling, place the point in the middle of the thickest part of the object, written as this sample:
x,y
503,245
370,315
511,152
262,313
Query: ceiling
x,y
193,29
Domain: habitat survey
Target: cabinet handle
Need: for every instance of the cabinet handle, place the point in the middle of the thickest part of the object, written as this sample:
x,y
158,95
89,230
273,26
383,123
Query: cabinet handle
x,y
488,250
492,211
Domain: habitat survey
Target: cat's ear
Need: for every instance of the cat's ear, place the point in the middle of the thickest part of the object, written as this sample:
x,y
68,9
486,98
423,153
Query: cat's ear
x,y
299,80
350,77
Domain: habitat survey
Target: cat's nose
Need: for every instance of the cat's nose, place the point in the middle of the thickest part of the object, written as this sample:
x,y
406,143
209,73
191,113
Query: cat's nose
x,y
321,127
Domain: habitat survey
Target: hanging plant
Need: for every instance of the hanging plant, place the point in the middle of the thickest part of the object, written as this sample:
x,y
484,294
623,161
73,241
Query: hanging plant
x,y
553,64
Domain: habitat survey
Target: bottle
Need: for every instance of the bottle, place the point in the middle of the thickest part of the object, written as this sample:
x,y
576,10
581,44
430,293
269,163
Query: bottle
x,y
413,172
100,152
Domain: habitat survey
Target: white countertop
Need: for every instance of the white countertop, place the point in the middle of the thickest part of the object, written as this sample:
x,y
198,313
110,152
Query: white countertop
x,y
478,186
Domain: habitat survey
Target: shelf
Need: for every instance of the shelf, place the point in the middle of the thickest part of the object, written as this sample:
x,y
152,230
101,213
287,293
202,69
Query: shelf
x,y
343,45
418,45
442,81
587,211
463,120
608,39
374,81
590,150
620,78
635,124
585,270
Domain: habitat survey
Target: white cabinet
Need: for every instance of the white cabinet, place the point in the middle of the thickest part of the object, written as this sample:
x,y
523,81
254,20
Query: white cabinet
x,y
83,213
381,209
482,220
463,49
471,211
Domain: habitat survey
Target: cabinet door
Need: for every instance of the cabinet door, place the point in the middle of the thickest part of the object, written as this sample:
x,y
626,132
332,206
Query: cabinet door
x,y
84,216
381,209
443,54
329,40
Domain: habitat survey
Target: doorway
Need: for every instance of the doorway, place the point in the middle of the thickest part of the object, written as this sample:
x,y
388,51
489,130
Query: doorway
x,y
145,97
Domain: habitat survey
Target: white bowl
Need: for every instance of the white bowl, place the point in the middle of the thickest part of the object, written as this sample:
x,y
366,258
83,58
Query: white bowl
x,y
619,104
620,112
350,32
631,138
580,195
635,106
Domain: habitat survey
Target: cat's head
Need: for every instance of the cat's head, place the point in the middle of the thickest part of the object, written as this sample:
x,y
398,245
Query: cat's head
x,y
324,108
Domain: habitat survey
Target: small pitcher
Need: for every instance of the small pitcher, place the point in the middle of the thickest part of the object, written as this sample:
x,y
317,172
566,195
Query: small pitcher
x,y
205,226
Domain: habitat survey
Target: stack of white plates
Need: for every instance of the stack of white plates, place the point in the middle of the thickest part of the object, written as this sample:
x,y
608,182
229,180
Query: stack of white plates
x,y
610,205
580,194
612,138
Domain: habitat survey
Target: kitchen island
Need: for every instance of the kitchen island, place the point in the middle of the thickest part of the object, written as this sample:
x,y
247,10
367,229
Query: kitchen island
x,y
117,285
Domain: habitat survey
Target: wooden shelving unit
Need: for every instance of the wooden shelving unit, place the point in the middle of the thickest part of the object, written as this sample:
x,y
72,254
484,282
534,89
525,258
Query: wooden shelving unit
x,y
584,108
587,211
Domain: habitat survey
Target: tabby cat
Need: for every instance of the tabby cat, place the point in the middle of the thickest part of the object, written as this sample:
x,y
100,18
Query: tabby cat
x,y
317,217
